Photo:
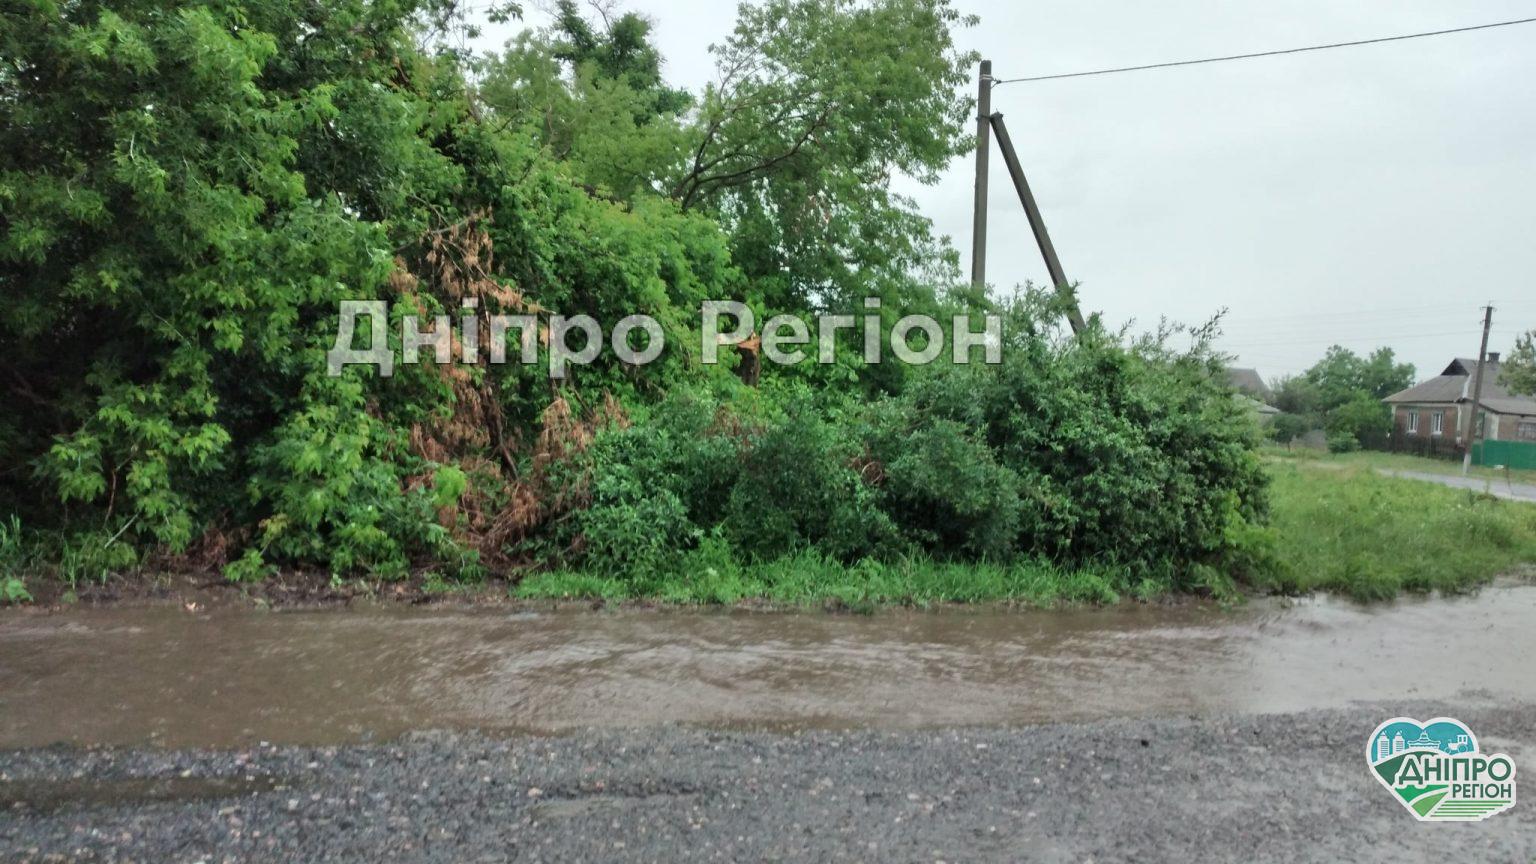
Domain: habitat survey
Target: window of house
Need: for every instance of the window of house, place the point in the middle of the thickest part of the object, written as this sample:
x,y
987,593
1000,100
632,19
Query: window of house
x,y
1437,423
1526,431
1413,422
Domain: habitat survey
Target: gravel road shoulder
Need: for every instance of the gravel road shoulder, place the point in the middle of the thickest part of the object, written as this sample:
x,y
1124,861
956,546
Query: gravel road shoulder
x,y
1254,789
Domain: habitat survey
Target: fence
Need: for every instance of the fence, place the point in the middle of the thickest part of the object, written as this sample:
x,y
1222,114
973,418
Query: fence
x,y
1519,455
1433,447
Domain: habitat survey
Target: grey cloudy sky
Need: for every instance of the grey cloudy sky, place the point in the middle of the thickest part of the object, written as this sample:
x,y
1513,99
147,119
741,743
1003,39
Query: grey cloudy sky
x,y
1365,196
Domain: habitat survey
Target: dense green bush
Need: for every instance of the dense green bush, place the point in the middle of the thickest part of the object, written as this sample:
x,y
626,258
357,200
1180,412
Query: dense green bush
x,y
1288,428
767,476
190,189
945,489
799,487
1086,452
1123,453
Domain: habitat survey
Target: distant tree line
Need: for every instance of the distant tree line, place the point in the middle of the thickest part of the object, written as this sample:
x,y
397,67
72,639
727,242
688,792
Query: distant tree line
x,y
1342,395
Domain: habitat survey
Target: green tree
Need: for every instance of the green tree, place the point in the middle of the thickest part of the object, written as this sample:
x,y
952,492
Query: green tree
x,y
1296,395
594,97
1519,373
1343,393
1342,374
189,190
622,52
1287,428
818,105
160,243
1381,375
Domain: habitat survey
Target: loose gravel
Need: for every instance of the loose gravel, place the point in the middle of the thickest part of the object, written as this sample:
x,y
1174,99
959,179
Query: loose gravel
x,y
1291,788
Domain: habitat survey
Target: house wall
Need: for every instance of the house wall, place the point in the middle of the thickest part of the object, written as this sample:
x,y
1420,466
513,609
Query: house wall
x,y
1452,428
1501,427
1424,442
1515,427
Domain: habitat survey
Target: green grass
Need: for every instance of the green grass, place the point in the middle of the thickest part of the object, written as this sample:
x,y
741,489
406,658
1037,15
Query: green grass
x,y
1342,527
13,562
810,579
1405,462
1395,462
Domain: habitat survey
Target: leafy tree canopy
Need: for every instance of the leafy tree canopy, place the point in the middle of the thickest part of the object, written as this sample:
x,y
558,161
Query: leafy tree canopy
x,y
817,105
1519,374
1342,393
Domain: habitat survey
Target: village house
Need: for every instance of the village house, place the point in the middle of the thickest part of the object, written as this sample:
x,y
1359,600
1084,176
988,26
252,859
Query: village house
x,y
1253,393
1250,383
1430,415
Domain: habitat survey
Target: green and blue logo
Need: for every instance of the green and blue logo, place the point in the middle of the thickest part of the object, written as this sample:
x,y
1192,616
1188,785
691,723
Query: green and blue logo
x,y
1436,770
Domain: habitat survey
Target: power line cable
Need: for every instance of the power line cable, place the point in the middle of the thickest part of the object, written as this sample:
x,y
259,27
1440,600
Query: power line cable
x,y
1360,337
1440,306
1360,330
1356,43
1309,321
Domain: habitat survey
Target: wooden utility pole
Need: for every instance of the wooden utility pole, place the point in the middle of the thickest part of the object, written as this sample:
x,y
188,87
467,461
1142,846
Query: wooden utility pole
x,y
1037,224
983,150
1477,392
989,124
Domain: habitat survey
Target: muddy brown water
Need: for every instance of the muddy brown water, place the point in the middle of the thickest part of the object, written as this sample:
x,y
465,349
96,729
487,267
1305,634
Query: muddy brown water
x,y
165,677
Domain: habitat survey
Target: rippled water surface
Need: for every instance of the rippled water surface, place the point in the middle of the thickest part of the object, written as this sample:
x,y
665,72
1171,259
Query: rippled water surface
x,y
161,675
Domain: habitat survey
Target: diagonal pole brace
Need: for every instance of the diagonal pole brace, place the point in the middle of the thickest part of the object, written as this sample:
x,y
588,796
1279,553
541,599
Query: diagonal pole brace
x,y
1037,225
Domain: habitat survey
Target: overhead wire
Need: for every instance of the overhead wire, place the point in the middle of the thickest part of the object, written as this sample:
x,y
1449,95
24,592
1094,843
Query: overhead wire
x,y
1276,53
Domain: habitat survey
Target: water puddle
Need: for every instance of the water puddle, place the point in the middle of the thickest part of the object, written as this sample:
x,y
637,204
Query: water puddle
x,y
46,796
232,677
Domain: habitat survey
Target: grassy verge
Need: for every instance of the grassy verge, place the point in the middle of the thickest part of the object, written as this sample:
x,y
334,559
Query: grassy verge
x,y
1342,527
1395,462
811,579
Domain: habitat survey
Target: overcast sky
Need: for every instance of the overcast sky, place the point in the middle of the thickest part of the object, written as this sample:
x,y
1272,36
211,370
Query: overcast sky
x,y
1365,196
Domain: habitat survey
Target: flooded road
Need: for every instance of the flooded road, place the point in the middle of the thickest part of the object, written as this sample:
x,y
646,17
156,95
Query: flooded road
x,y
164,677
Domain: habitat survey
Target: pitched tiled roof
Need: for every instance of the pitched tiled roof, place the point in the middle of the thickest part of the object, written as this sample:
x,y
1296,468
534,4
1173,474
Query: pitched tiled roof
x,y
1248,381
1519,405
1455,385
1444,388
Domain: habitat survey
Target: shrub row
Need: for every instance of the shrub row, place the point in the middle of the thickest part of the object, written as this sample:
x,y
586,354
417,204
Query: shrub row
x,y
1079,454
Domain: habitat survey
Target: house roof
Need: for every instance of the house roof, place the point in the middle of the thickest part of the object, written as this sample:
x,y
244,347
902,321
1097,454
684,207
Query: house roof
x,y
1443,388
1454,385
1510,406
1258,407
1248,381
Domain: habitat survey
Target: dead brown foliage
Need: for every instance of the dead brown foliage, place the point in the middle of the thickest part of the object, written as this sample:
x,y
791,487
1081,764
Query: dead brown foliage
x,y
514,487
